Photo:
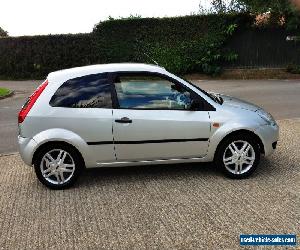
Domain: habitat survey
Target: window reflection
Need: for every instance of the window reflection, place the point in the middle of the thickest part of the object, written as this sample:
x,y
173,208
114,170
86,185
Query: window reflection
x,y
150,93
91,91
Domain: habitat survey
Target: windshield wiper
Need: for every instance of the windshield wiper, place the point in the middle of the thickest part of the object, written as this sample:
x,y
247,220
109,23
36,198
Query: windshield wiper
x,y
221,99
217,98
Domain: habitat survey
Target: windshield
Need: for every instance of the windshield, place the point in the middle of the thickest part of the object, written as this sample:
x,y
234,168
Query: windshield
x,y
212,96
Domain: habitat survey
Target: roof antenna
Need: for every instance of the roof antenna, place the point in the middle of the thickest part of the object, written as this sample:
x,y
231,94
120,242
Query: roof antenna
x,y
144,53
149,57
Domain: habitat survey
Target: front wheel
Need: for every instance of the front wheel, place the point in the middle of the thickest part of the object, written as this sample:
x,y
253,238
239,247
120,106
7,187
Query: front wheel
x,y
238,156
57,166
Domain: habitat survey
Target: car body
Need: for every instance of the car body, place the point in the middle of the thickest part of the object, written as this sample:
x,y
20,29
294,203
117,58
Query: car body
x,y
135,114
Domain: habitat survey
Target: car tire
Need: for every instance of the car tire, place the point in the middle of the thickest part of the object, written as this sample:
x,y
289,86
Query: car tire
x,y
58,166
238,156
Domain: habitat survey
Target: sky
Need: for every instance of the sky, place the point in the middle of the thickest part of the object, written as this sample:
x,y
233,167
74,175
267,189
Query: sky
x,y
42,17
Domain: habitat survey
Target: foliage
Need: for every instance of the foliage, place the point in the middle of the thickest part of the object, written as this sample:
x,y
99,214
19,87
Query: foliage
x,y
34,57
278,13
279,10
3,33
131,16
218,6
294,69
4,91
180,44
262,6
223,6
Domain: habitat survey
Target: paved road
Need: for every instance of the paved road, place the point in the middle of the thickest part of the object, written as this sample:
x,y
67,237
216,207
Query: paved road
x,y
189,206
280,97
9,109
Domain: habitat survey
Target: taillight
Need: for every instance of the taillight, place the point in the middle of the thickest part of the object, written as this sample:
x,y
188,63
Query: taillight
x,y
30,102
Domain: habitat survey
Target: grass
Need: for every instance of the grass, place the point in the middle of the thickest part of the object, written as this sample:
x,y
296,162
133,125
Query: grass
x,y
4,91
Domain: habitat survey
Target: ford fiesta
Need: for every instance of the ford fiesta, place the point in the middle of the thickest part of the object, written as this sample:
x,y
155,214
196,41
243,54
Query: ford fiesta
x,y
136,114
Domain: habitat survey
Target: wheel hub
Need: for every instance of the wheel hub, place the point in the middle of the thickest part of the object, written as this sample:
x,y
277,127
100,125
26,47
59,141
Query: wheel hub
x,y
57,166
239,157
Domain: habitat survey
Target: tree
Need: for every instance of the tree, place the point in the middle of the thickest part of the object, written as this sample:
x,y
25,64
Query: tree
x,y
279,10
221,6
3,33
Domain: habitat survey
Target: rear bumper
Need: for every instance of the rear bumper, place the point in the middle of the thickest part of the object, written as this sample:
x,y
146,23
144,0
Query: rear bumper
x,y
269,135
26,149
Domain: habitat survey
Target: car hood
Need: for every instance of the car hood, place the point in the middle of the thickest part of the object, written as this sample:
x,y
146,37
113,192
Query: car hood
x,y
238,103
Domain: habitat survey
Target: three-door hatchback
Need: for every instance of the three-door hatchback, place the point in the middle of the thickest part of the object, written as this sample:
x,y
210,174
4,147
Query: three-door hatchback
x,y
136,114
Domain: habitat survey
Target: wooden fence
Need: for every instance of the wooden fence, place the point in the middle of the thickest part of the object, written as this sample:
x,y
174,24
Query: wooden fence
x,y
270,48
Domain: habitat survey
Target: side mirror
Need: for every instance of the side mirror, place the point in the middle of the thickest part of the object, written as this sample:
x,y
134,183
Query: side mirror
x,y
195,105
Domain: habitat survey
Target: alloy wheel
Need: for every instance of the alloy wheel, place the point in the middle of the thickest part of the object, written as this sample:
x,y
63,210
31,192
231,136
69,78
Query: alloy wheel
x,y
239,157
57,166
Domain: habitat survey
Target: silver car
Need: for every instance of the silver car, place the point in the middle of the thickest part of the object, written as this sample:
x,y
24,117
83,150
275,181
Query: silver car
x,y
136,114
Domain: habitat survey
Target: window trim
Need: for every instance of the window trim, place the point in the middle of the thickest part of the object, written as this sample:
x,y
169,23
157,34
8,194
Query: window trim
x,y
115,102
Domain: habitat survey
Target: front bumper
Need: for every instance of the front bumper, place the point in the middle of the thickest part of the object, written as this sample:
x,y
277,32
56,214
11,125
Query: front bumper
x,y
27,147
269,135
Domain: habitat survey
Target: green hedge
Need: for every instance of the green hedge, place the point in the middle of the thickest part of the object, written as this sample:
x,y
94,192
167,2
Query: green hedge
x,y
181,44
33,57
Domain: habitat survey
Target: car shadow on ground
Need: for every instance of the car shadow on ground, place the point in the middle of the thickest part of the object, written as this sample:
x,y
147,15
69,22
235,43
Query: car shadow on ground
x,y
269,168
148,172
184,171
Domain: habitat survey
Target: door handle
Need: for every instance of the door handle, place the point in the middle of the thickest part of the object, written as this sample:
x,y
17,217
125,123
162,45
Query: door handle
x,y
123,120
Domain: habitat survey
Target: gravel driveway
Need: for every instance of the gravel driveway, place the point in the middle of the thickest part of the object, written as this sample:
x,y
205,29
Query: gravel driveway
x,y
162,207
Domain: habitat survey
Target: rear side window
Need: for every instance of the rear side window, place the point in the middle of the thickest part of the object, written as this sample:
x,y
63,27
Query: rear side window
x,y
92,91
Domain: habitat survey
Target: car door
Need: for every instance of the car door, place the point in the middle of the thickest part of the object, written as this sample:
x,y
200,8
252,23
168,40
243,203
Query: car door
x,y
152,119
83,105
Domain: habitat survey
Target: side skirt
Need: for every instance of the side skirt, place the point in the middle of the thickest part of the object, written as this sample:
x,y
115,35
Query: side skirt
x,y
149,162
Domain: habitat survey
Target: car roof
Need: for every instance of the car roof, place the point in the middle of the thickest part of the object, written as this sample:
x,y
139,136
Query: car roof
x,y
66,74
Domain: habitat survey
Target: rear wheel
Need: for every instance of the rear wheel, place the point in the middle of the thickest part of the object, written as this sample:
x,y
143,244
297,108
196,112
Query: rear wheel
x,y
238,156
57,166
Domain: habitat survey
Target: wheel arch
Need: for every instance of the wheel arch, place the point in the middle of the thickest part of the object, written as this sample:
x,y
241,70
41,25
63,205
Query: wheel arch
x,y
56,142
242,132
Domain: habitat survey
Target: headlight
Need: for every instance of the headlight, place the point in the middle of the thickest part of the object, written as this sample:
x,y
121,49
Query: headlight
x,y
267,117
